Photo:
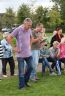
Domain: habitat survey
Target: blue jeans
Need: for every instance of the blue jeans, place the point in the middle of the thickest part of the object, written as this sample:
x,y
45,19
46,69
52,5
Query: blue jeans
x,y
58,67
24,78
44,64
35,55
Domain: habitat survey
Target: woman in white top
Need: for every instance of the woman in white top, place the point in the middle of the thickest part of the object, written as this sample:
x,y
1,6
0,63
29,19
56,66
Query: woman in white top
x,y
1,56
8,56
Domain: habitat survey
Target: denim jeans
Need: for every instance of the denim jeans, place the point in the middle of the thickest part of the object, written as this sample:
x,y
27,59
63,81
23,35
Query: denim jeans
x,y
44,64
58,67
35,55
24,78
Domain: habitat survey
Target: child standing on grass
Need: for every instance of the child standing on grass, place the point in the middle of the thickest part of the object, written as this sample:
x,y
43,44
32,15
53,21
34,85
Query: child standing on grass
x,y
1,55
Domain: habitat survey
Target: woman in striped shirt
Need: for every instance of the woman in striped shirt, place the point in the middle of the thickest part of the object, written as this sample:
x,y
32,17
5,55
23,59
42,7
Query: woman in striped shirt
x,y
1,56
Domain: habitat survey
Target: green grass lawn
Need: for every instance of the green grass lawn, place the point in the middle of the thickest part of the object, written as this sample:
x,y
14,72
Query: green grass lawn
x,y
46,86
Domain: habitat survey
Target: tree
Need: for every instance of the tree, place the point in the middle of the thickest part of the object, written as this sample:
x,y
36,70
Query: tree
x,y
23,12
61,4
57,1
41,15
55,17
9,18
1,20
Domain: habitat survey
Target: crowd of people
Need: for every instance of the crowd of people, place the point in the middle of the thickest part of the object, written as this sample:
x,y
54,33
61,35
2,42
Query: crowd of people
x,y
29,48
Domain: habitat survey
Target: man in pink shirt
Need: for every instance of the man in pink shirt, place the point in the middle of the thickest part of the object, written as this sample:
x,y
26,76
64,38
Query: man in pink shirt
x,y
23,50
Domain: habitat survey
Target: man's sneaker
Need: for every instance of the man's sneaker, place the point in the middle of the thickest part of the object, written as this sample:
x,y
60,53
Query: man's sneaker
x,y
15,74
21,88
28,85
59,74
53,74
32,79
5,76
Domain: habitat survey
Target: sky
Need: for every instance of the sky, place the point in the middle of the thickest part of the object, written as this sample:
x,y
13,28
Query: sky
x,y
14,4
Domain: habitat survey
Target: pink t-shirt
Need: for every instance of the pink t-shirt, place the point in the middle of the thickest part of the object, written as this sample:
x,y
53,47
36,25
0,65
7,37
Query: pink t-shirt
x,y
62,50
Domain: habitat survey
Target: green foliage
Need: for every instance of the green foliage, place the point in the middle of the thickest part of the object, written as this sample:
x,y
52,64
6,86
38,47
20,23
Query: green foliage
x,y
55,17
41,15
50,18
0,25
23,12
61,4
63,10
14,41
1,20
9,18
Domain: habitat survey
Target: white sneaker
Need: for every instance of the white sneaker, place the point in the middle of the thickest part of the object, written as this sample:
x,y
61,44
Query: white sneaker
x,y
15,74
53,74
4,75
32,79
59,74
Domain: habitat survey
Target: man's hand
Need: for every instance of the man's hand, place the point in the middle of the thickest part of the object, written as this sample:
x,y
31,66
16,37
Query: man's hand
x,y
35,40
40,37
16,49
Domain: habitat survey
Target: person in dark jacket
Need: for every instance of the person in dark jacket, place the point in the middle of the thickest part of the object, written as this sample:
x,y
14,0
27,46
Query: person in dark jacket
x,y
57,37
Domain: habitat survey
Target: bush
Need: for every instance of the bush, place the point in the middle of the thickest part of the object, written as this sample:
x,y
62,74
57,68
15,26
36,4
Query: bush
x,y
14,41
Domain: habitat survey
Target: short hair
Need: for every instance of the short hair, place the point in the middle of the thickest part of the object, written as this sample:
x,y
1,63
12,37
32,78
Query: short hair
x,y
55,43
27,20
39,24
